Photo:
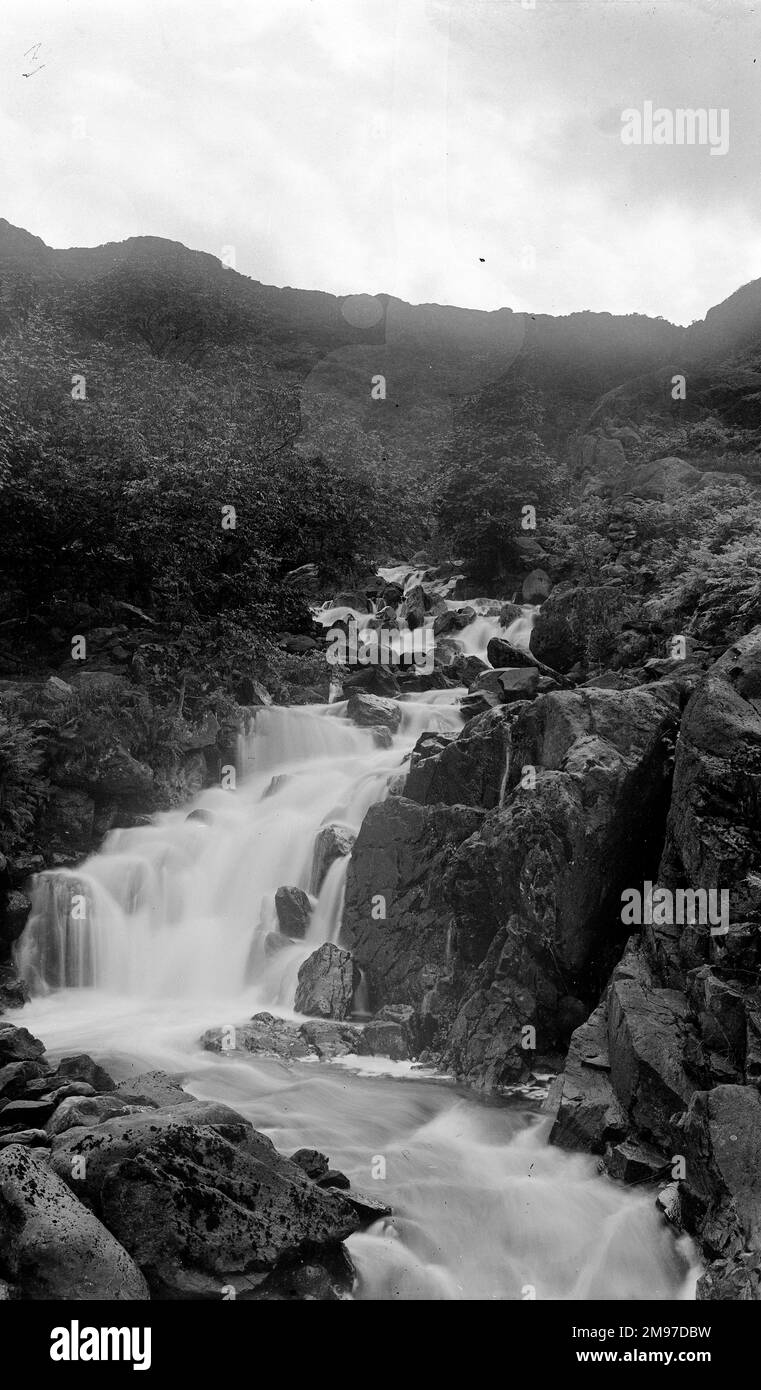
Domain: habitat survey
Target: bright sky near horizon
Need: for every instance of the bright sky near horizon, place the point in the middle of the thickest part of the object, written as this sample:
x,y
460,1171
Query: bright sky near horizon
x,y
458,151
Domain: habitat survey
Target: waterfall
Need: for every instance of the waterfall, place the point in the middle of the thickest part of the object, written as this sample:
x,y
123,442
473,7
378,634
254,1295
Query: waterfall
x,y
183,907
150,941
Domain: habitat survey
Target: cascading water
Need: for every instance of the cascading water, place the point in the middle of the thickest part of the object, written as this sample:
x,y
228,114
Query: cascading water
x,y
168,928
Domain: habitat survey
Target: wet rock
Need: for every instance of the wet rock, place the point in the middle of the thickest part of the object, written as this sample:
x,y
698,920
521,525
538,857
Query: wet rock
x,y
311,1162
326,983
586,1110
387,1038
648,1035
153,1088
15,1077
369,710
468,770
414,606
294,910
720,1139
264,1033
197,1190
536,893
329,1039
395,920
53,1247
81,1067
371,680
634,1162
19,1045
506,685
331,843
83,1110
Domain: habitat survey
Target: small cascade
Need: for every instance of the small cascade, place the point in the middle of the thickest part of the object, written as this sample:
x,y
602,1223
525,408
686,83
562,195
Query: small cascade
x,y
184,907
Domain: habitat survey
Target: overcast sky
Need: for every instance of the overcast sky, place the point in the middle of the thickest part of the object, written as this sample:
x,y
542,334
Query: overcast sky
x,y
458,151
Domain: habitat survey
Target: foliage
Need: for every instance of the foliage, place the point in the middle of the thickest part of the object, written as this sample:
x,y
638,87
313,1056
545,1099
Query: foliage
x,y
22,788
487,476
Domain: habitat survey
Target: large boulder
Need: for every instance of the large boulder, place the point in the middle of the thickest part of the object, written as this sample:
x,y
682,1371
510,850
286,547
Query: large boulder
x,y
198,1197
18,1045
536,892
468,770
395,920
263,1033
52,1246
371,710
326,983
575,623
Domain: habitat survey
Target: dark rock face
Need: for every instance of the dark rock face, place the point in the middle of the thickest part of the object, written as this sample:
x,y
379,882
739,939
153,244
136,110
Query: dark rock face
x,y
396,921
720,1138
587,1111
648,1037
677,1036
327,982
467,770
294,910
489,924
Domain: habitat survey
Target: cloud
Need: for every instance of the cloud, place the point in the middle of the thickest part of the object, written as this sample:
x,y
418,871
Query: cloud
x,y
416,147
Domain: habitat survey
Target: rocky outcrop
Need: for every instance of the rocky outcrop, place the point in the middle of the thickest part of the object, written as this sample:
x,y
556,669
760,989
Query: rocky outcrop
x,y
397,922
491,902
676,1039
468,769
327,983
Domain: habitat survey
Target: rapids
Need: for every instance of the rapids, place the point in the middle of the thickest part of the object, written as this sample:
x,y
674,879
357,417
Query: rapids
x,y
169,938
